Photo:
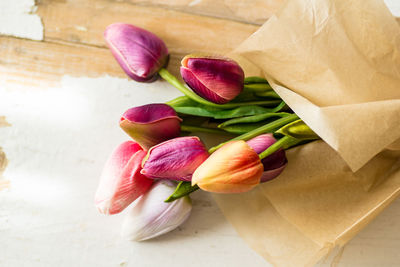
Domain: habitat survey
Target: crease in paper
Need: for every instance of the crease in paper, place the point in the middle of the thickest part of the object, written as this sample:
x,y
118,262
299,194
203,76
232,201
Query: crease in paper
x,y
336,63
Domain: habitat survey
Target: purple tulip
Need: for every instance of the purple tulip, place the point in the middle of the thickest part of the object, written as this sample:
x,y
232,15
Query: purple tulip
x,y
151,124
216,79
175,159
274,163
140,53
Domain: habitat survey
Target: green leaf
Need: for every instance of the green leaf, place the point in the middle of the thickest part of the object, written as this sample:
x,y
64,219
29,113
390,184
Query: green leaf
x,y
258,87
243,128
299,130
181,190
263,129
241,111
270,94
202,129
186,106
254,79
246,96
252,119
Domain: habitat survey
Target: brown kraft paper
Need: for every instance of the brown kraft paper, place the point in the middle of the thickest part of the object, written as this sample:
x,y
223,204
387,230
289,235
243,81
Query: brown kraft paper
x,y
336,63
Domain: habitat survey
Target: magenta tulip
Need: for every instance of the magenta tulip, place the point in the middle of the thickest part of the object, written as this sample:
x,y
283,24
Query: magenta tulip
x,y
140,53
121,181
216,79
175,159
274,163
151,124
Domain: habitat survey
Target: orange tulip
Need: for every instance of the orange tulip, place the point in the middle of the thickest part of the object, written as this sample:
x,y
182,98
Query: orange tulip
x,y
233,168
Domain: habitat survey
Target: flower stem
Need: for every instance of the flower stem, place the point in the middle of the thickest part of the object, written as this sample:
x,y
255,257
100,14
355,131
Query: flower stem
x,y
275,146
181,190
166,75
263,129
189,128
254,79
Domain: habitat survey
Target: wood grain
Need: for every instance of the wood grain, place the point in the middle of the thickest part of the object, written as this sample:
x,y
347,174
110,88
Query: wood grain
x,y
253,12
85,21
74,44
26,61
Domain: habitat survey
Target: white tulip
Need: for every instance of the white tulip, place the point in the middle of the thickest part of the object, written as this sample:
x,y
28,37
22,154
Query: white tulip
x,y
149,216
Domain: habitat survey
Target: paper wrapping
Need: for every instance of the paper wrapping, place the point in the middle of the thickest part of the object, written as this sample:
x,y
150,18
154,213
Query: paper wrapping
x,y
336,63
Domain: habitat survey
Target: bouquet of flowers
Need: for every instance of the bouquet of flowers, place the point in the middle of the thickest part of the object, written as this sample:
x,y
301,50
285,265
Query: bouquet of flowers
x,y
335,65
163,163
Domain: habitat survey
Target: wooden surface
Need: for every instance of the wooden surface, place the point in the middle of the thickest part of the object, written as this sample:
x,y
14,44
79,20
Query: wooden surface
x,y
73,42
73,34
73,45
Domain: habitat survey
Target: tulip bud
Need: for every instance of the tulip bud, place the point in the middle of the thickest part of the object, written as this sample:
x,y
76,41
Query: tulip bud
x,y
140,53
175,159
233,168
150,216
121,181
216,79
274,163
151,124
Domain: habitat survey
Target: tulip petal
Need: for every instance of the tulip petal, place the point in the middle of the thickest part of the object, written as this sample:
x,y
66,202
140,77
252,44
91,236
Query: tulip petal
x,y
121,181
233,168
261,142
151,124
216,79
150,113
268,175
275,163
150,216
199,88
139,52
175,159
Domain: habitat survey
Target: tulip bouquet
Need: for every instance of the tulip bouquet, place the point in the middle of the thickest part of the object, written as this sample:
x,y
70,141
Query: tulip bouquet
x,y
156,171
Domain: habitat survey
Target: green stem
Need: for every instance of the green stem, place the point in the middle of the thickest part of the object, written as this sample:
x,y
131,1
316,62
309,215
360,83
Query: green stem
x,y
271,94
263,129
181,190
166,75
175,101
189,128
185,188
275,146
258,87
254,79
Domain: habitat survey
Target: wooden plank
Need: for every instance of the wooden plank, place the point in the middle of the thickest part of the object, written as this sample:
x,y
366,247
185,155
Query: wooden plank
x,y
36,63
183,33
74,43
254,12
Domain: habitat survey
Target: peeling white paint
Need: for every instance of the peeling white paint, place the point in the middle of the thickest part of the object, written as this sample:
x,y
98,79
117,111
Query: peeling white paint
x,y
194,2
17,19
81,28
58,142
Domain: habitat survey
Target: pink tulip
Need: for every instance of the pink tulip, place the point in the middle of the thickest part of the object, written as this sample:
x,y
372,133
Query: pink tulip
x,y
151,124
275,163
175,159
121,181
140,53
216,79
